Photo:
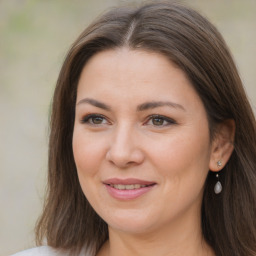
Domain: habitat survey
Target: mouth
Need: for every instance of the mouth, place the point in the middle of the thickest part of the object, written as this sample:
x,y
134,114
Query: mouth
x,y
128,189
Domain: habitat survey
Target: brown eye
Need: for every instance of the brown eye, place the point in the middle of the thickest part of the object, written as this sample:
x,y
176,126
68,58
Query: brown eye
x,y
157,121
160,121
97,120
94,119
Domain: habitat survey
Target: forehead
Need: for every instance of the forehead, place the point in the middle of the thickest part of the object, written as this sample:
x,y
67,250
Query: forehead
x,y
135,75
137,65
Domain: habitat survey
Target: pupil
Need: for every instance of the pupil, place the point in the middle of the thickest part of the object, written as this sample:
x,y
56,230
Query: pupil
x,y
97,120
158,121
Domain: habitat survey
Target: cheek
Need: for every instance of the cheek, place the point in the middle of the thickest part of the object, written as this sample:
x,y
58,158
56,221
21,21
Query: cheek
x,y
183,166
183,157
87,153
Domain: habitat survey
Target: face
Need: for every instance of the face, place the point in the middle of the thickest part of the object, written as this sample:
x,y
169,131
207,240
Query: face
x,y
141,141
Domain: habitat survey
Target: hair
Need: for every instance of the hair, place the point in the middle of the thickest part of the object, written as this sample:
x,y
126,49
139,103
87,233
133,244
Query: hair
x,y
191,42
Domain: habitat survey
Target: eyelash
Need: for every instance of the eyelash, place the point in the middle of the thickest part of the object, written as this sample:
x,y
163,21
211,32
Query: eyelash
x,y
88,119
166,121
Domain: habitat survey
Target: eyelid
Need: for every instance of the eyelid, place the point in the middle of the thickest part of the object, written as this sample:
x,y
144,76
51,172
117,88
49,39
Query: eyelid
x,y
85,119
170,121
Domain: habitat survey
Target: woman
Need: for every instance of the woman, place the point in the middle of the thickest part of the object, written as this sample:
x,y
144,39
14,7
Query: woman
x,y
152,145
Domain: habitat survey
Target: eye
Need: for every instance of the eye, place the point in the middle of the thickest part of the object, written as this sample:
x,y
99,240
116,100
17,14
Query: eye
x,y
94,119
160,121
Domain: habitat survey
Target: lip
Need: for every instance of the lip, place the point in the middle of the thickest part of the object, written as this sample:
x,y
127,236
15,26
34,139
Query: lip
x,y
128,194
128,181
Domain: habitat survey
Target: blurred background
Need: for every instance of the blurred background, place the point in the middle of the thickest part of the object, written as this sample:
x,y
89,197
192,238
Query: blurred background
x,y
34,38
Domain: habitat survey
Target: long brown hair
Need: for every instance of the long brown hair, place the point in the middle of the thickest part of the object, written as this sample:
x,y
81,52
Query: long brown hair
x,y
195,46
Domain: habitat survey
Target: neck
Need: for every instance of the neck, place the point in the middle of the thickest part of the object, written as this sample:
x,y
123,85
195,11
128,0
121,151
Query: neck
x,y
179,239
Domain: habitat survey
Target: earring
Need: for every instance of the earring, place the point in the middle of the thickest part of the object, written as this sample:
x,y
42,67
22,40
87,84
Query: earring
x,y
218,186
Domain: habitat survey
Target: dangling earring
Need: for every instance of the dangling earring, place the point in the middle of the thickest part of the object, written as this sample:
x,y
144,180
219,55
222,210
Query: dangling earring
x,y
218,186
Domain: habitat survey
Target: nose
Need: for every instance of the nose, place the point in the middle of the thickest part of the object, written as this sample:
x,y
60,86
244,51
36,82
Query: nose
x,y
124,149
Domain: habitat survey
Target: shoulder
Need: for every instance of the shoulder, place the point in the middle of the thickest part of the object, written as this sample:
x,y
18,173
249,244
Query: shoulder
x,y
40,251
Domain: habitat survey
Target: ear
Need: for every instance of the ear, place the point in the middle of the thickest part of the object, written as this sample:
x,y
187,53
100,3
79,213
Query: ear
x,y
222,145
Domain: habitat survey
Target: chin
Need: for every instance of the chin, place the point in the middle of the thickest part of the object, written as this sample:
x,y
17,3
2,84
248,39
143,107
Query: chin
x,y
131,228
130,222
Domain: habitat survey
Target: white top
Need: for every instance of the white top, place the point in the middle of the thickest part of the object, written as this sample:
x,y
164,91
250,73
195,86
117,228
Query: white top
x,y
38,251
43,251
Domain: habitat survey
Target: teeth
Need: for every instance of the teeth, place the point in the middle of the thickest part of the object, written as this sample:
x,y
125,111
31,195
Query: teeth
x,y
128,187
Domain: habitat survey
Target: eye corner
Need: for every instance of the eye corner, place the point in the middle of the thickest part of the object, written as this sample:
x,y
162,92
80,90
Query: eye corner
x,y
159,121
94,120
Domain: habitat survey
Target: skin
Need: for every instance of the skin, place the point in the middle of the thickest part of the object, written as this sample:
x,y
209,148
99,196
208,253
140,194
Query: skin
x,y
124,142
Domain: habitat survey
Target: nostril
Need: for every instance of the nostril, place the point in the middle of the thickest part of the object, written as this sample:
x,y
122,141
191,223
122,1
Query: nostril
x,y
124,157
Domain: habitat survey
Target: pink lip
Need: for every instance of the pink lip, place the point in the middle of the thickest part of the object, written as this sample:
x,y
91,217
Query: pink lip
x,y
127,194
128,181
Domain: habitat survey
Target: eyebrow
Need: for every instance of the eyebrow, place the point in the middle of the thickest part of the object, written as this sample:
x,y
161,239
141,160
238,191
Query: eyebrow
x,y
156,104
94,103
141,107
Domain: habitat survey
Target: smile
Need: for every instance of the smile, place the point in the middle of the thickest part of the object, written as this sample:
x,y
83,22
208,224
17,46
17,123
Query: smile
x,y
127,187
